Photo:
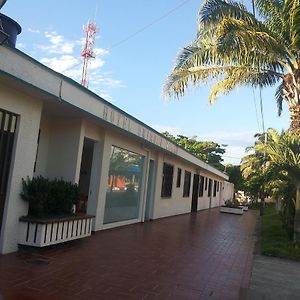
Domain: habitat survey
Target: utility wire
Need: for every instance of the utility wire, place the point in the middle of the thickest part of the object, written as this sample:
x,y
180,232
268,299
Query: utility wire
x,y
261,110
155,21
256,111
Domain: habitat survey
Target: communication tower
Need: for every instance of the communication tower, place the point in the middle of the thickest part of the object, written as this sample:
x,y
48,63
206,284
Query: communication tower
x,y
88,51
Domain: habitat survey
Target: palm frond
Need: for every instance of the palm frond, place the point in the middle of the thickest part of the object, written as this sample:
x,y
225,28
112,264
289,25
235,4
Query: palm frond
x,y
295,24
212,11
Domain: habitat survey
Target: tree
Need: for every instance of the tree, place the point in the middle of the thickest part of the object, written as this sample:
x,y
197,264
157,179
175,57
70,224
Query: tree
x,y
235,48
235,176
284,153
208,151
278,159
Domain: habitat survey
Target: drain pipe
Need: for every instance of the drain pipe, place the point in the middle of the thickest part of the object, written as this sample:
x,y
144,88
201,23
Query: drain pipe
x,y
146,182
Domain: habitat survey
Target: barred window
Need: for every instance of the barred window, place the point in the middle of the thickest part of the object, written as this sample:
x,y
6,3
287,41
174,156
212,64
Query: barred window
x,y
187,184
201,186
167,180
209,187
178,177
215,188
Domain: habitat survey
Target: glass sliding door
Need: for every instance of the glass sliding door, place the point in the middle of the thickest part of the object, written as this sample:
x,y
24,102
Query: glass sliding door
x,y
123,194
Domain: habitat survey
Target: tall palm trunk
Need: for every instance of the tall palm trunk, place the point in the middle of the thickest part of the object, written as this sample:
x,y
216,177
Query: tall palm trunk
x,y
295,117
291,94
297,217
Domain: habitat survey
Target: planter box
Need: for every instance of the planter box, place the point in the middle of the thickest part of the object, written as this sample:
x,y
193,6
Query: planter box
x,y
245,208
237,211
44,232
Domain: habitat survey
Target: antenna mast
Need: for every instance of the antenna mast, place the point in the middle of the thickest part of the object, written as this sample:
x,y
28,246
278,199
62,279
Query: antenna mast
x,y
88,51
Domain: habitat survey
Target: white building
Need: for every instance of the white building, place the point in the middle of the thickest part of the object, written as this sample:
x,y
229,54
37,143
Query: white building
x,y
54,127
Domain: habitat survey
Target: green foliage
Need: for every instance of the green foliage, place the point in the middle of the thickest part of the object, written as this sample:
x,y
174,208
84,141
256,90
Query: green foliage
x,y
272,169
233,48
287,214
232,203
275,241
208,151
254,204
49,197
235,176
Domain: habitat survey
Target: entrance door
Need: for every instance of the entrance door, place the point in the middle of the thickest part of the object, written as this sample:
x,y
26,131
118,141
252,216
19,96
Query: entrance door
x,y
149,199
85,173
8,124
195,192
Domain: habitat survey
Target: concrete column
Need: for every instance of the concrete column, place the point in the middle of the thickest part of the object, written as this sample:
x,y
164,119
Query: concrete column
x,y
23,158
97,205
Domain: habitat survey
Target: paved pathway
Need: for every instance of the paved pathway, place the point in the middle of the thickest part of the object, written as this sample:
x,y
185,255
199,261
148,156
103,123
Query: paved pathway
x,y
207,255
274,279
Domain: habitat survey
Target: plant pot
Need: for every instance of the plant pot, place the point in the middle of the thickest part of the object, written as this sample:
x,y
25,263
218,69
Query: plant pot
x,y
231,210
49,231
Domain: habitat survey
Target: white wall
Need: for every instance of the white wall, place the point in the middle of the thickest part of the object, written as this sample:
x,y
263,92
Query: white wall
x,y
227,192
176,204
65,142
23,160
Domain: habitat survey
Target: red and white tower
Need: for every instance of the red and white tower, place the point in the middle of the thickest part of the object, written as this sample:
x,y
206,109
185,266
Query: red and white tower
x,y
88,51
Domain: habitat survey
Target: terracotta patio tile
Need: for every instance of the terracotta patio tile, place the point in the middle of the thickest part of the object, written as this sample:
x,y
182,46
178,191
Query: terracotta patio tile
x,y
205,255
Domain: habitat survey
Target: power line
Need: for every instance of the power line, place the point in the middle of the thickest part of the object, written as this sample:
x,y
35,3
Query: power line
x,y
149,24
256,112
261,110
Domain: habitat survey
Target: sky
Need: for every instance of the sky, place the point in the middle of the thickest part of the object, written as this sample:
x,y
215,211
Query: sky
x,y
136,46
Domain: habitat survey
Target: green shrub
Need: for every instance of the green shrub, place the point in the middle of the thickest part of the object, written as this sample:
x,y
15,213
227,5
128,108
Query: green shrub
x,y
287,214
233,203
254,204
49,197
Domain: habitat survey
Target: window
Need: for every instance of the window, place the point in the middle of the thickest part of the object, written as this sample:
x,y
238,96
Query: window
x,y
123,195
215,188
206,183
167,180
187,184
178,177
209,187
201,186
218,186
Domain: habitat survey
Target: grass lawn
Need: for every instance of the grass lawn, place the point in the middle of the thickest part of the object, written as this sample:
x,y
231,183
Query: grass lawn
x,y
274,238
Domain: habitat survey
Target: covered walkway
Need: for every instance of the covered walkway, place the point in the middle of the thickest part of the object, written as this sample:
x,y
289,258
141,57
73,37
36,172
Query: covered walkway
x,y
205,255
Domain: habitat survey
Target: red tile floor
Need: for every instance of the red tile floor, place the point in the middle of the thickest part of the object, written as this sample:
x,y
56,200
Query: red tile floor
x,y
204,255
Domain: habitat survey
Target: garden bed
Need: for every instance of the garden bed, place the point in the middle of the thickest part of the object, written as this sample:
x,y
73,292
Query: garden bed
x,y
41,232
232,210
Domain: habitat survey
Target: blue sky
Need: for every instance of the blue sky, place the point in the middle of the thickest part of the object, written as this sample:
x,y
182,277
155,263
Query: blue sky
x,y
136,46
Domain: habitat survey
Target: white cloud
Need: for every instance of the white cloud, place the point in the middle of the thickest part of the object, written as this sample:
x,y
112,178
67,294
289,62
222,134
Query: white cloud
x,y
57,45
34,30
238,138
64,57
21,45
162,128
61,64
237,142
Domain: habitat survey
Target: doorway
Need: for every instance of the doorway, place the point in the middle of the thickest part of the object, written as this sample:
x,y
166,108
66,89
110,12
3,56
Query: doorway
x,y
149,196
195,192
8,124
85,174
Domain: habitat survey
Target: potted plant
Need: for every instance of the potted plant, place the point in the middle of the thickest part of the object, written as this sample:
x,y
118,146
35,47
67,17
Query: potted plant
x,y
232,206
51,217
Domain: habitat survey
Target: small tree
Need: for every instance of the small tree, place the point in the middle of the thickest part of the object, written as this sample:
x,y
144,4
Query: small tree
x,y
208,151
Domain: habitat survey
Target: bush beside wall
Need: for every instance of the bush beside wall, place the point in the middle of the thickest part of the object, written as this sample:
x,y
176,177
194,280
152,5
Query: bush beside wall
x,y
48,198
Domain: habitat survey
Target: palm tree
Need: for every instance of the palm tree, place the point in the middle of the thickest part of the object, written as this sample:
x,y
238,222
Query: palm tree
x,y
284,153
279,157
235,48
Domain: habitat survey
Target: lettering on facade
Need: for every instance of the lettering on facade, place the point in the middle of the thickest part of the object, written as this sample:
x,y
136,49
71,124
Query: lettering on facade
x,y
116,118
